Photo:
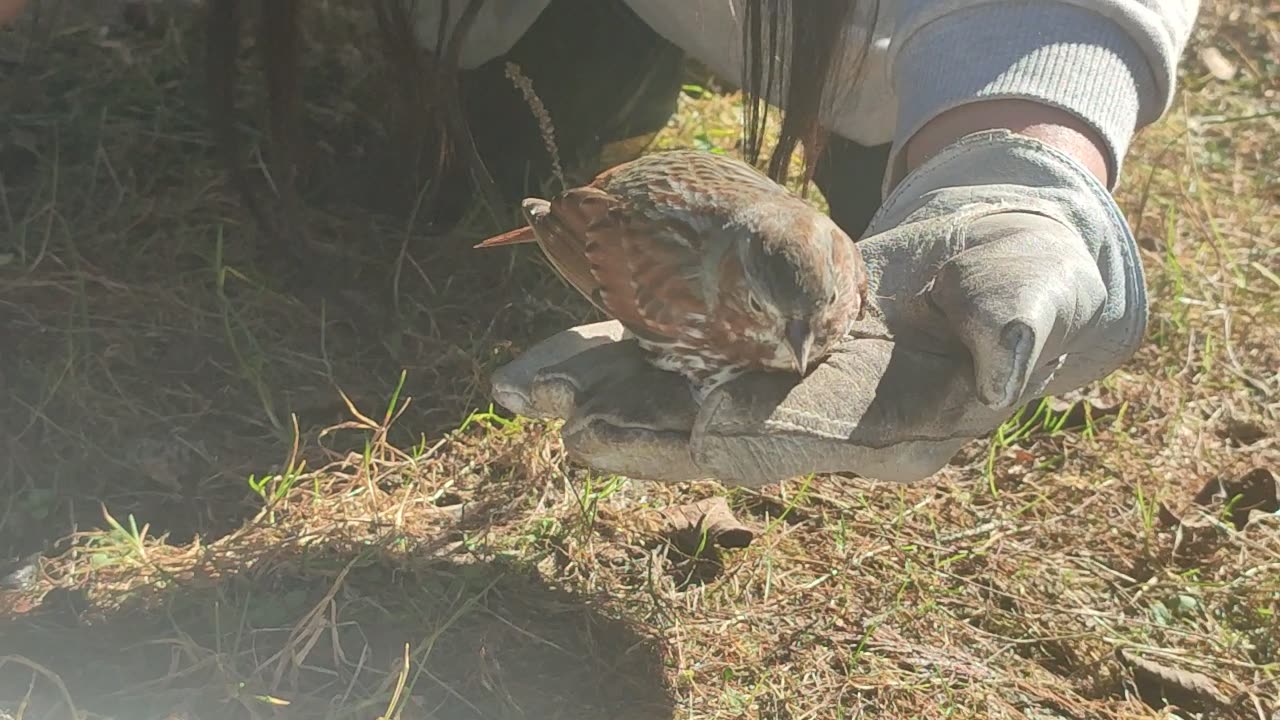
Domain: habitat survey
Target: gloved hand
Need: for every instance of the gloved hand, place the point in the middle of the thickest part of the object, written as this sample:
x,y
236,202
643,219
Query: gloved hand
x,y
1003,272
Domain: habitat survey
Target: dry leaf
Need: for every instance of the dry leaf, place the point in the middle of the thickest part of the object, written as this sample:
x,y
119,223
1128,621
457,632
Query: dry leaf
x,y
705,522
1159,685
1257,491
1217,63
1243,432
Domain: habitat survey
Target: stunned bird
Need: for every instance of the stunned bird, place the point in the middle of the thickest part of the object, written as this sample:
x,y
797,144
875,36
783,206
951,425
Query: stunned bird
x,y
716,269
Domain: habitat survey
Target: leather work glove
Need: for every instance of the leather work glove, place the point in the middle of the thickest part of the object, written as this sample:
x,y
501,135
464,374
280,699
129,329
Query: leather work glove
x,y
1003,272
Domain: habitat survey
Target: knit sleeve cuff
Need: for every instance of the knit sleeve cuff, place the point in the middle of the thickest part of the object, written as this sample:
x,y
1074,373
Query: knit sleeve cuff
x,y
1053,53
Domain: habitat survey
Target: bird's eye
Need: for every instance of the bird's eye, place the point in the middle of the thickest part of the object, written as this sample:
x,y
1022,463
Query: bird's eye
x,y
835,295
754,303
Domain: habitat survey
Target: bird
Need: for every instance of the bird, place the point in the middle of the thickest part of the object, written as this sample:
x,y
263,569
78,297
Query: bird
x,y
713,267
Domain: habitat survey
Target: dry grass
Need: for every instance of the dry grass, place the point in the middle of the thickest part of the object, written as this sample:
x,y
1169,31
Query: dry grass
x,y
401,565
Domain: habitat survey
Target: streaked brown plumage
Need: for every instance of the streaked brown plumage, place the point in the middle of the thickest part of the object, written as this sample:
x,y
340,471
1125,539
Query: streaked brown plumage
x,y
714,268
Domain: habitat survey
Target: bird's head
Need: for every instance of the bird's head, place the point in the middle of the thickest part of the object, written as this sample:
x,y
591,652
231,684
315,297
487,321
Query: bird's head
x,y
806,286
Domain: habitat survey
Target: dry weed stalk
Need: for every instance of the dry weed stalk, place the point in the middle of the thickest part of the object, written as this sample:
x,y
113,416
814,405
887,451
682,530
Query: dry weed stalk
x,y
545,126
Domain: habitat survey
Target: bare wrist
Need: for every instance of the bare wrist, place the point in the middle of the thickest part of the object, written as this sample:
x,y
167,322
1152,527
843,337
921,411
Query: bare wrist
x,y
1050,125
10,9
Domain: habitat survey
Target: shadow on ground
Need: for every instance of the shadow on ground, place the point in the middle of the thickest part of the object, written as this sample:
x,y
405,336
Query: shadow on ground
x,y
323,632
150,359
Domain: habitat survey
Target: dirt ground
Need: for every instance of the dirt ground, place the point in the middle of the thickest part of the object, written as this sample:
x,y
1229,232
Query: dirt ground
x,y
228,492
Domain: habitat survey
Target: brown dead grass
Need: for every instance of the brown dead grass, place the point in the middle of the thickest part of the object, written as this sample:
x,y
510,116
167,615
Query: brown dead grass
x,y
394,568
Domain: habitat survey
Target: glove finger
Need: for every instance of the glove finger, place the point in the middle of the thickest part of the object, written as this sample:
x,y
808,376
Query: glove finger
x,y
558,390
1007,304
638,425
622,414
512,384
877,408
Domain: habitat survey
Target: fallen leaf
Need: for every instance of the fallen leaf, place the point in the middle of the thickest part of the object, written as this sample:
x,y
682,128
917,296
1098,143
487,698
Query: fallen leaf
x,y
695,525
1257,491
1159,685
1217,63
1242,432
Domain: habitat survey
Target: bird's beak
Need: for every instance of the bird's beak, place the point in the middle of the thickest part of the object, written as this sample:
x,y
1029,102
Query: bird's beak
x,y
800,340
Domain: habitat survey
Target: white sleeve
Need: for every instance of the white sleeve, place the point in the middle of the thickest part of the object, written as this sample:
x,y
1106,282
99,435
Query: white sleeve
x,y
497,27
1113,63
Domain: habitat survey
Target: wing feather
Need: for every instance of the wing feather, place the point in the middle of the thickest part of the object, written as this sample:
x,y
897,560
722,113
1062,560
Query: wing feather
x,y
643,274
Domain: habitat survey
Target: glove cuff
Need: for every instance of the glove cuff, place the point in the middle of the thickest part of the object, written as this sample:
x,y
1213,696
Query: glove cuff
x,y
1002,171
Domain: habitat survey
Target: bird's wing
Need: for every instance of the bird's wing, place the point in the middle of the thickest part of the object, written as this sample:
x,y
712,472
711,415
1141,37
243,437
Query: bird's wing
x,y
644,274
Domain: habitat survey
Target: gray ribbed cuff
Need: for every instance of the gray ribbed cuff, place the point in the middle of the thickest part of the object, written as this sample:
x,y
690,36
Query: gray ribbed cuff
x,y
1049,52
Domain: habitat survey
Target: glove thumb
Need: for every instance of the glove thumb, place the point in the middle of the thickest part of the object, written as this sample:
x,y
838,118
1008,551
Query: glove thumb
x,y
1014,312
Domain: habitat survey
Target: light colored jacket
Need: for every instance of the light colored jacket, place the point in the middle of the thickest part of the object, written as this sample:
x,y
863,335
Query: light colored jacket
x,y
1110,62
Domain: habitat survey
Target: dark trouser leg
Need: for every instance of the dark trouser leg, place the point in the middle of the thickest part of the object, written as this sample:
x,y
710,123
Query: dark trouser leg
x,y
603,76
850,176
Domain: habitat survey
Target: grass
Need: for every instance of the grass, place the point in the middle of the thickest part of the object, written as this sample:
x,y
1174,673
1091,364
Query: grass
x,y
253,498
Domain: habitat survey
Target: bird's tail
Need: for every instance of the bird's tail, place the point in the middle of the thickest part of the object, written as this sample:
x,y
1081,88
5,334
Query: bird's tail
x,y
511,237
